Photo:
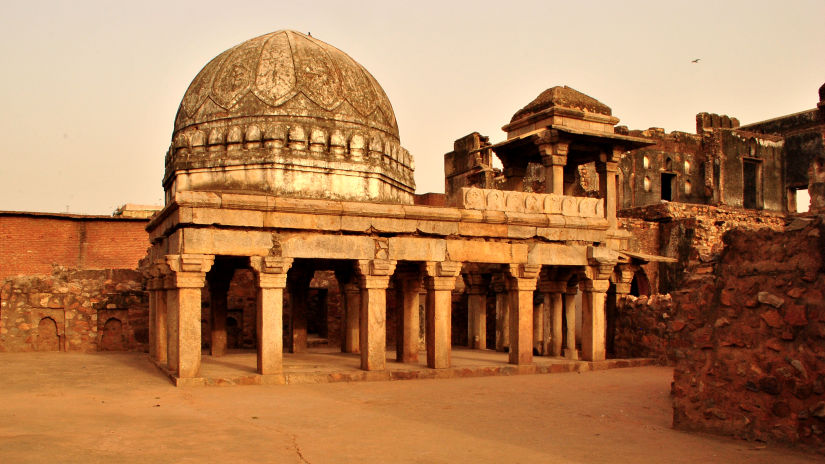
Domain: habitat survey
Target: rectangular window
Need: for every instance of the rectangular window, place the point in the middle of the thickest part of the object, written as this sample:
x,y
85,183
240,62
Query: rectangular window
x,y
751,184
668,185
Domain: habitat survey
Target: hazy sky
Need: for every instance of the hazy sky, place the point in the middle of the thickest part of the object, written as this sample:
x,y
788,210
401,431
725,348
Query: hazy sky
x,y
90,89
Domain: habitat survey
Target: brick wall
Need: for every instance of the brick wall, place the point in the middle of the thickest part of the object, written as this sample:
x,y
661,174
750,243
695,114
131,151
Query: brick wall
x,y
31,243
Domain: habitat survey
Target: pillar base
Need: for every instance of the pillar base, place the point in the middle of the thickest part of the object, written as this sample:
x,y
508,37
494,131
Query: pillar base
x,y
571,354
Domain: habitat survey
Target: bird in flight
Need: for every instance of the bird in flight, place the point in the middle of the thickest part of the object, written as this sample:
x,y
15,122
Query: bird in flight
x,y
696,60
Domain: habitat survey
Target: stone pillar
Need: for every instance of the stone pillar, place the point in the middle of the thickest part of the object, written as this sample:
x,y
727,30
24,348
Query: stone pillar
x,y
539,330
271,274
607,187
551,341
218,290
570,351
299,280
554,158
351,325
593,319
407,347
154,284
476,311
522,284
499,284
184,300
375,278
440,283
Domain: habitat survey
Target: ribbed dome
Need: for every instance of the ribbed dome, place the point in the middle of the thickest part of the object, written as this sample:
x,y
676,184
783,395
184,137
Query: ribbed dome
x,y
287,114
286,73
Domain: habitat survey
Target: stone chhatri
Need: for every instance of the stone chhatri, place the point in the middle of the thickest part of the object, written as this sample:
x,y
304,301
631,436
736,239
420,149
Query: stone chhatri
x,y
562,96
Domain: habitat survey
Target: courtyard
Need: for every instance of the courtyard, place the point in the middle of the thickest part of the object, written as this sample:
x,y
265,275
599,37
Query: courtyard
x,y
117,407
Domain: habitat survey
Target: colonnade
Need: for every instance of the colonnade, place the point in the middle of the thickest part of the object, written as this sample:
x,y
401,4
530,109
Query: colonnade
x,y
175,285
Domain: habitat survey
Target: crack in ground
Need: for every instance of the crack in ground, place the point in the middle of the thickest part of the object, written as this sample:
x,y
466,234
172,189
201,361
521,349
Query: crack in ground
x,y
298,449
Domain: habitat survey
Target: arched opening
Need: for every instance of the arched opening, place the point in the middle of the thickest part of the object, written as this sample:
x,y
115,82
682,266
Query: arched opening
x,y
112,338
47,338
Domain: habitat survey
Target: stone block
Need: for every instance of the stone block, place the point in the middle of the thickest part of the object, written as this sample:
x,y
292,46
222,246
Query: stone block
x,y
280,220
477,251
514,231
472,229
327,246
229,217
417,249
557,254
431,212
225,242
437,227
379,224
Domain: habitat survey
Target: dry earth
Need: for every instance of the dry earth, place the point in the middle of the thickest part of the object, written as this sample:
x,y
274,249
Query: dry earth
x,y
89,408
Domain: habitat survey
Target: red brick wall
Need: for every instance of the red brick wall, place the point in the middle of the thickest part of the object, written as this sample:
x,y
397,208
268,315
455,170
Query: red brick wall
x,y
30,243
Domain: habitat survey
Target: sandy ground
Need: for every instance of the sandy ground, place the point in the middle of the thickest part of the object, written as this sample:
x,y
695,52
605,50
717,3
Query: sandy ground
x,y
89,408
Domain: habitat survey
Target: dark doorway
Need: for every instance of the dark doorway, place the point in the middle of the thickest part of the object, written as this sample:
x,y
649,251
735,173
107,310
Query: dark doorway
x,y
668,186
750,184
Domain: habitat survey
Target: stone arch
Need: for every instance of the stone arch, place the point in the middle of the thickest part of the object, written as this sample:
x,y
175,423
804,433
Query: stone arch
x,y
112,338
47,337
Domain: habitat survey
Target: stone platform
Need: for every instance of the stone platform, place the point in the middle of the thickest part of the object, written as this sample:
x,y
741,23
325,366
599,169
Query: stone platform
x,y
326,365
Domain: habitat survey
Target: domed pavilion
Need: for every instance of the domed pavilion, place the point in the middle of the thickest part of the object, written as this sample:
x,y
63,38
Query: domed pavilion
x,y
286,160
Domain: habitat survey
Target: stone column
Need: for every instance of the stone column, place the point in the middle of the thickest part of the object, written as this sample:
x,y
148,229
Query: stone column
x,y
476,311
594,287
570,351
184,300
499,284
607,187
299,280
522,284
407,348
271,274
539,319
154,285
440,283
554,158
351,325
551,341
593,319
218,290
375,277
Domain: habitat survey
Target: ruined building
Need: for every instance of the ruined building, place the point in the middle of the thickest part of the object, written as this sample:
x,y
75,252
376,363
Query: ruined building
x,y
291,221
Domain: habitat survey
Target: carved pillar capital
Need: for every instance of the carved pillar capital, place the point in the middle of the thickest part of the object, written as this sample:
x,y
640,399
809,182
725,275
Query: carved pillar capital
x,y
188,270
375,273
441,275
523,276
270,270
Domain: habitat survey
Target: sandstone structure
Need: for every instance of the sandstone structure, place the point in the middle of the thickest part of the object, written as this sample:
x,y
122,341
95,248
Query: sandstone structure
x,y
291,221
287,172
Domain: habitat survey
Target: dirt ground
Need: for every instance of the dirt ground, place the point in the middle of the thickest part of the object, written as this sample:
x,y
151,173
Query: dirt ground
x,y
89,408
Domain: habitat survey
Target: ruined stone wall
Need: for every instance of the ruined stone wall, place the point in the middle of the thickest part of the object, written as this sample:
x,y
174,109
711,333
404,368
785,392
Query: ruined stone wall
x,y
690,233
644,328
751,359
676,154
74,310
31,243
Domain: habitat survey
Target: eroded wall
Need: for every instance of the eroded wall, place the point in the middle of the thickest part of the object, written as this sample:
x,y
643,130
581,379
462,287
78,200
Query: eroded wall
x,y
753,330
73,310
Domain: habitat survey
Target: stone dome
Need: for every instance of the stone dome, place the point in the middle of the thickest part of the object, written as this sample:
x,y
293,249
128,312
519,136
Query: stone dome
x,y
287,103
